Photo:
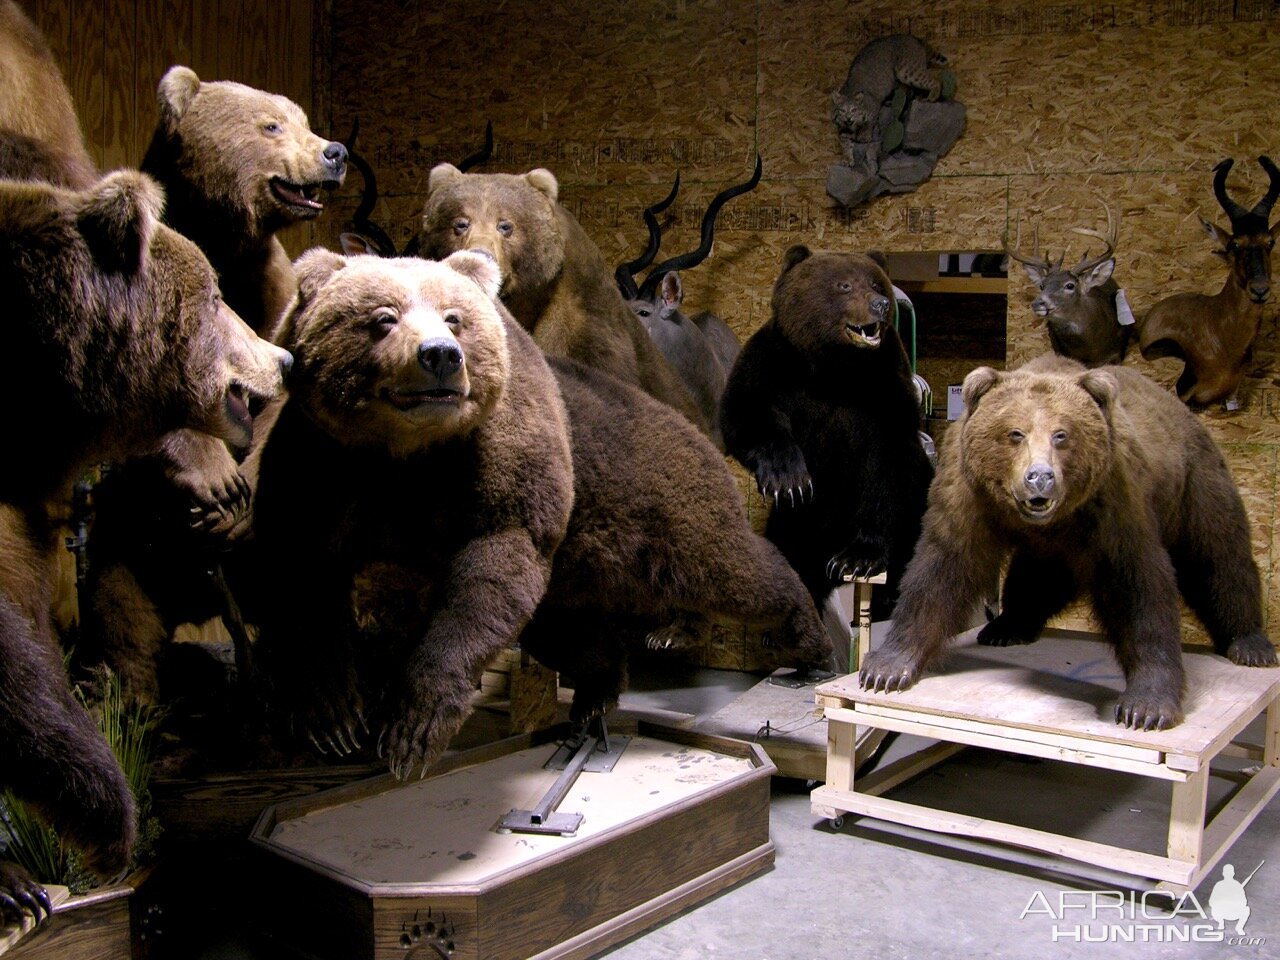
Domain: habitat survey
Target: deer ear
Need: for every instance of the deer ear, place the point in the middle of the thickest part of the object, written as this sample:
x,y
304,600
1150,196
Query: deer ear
x,y
1098,275
1036,274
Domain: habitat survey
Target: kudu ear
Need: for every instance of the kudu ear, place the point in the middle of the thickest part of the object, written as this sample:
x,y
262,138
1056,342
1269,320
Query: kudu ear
x,y
976,385
672,289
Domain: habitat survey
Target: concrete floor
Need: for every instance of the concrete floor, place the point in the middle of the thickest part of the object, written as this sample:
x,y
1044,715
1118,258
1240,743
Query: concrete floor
x,y
873,889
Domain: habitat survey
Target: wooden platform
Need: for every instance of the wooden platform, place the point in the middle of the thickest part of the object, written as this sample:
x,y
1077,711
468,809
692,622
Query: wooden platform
x,y
381,869
91,926
1054,700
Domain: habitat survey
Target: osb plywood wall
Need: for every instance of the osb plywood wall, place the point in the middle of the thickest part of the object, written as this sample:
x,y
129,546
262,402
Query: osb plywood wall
x,y
114,52
1069,105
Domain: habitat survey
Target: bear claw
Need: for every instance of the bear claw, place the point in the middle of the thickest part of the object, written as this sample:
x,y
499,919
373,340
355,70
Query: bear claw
x,y
20,896
1139,716
1252,650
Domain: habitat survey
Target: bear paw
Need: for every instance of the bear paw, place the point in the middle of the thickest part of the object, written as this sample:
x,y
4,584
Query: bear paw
x,y
886,670
1148,710
1002,632
427,723
678,636
218,495
325,709
864,557
782,474
1252,650
22,897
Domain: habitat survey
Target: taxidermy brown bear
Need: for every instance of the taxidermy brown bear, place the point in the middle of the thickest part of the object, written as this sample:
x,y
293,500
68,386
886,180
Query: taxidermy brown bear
x,y
1084,480
413,511
115,334
821,407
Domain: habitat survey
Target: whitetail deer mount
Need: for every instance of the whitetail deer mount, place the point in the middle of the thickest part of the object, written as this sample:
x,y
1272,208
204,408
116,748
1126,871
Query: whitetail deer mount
x,y
1214,335
1077,303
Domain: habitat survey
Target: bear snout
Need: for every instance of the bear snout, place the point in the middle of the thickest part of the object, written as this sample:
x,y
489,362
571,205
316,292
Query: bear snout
x,y
335,157
879,306
1040,479
440,357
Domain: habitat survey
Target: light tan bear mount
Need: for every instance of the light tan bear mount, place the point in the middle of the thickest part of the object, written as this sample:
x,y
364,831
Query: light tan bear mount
x,y
114,334
555,280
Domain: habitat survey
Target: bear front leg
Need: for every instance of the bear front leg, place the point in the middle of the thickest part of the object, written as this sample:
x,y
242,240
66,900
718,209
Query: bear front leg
x,y
203,468
954,564
51,753
495,584
1135,597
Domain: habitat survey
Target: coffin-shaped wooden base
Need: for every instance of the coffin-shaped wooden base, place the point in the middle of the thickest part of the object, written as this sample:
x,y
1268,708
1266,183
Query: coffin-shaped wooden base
x,y
418,870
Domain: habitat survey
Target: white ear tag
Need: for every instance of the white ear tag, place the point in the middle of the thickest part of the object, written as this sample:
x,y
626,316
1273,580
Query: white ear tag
x,y
1124,315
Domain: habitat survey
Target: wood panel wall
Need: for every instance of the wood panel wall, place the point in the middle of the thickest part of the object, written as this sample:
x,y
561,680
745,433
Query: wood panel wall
x,y
1069,104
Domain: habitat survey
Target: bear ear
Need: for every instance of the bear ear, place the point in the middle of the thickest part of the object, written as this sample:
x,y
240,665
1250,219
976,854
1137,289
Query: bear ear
x,y
178,87
544,180
117,219
478,267
313,268
878,257
976,385
795,255
441,174
1102,386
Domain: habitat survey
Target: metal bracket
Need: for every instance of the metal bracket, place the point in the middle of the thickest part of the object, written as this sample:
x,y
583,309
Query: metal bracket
x,y
591,754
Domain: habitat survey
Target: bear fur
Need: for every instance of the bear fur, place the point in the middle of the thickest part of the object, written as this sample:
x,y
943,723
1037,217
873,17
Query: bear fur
x,y
115,335
821,407
1084,480
40,137
656,526
555,280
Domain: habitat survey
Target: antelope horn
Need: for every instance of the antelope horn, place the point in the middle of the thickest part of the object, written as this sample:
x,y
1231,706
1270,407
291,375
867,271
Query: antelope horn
x,y
1263,207
625,274
1109,238
368,198
1232,209
686,260
1034,260
482,155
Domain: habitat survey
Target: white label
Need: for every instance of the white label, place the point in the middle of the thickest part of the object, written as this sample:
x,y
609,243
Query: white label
x,y
955,401
1123,314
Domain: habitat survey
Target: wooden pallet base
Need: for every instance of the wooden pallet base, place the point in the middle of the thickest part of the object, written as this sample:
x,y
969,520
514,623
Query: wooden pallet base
x,y
1052,700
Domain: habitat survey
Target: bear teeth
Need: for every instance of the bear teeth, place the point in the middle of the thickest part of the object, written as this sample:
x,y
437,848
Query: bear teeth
x,y
297,195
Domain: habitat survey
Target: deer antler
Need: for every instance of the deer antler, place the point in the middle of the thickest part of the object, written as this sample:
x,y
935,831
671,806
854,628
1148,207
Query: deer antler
x,y
1263,207
1034,260
695,257
1109,238
625,274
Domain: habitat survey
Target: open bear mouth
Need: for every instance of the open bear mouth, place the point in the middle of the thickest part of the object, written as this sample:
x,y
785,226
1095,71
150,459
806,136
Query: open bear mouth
x,y
1037,508
303,196
868,333
413,399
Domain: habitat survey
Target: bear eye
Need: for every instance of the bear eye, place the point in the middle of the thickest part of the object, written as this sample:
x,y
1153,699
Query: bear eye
x,y
461,225
844,286
383,320
1059,438
1016,436
505,227
272,127
454,319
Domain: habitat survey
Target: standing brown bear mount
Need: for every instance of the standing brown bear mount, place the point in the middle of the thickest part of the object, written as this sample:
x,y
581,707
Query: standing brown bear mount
x,y
413,511
114,335
555,281
1086,480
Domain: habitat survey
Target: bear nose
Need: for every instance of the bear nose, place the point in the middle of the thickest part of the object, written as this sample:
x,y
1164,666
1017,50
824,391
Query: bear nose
x,y
286,364
440,357
880,306
1039,479
335,154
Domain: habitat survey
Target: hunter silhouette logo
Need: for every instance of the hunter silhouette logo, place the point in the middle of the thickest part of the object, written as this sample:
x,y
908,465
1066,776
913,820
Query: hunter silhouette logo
x,y
1228,900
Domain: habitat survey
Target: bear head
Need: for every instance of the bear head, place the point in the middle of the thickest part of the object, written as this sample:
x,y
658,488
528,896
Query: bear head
x,y
1037,443
397,354
826,300
120,334
248,152
513,218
